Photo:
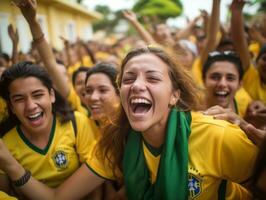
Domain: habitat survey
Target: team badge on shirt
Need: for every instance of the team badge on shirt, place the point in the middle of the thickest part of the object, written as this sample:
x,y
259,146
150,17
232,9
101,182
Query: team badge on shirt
x,y
60,159
194,186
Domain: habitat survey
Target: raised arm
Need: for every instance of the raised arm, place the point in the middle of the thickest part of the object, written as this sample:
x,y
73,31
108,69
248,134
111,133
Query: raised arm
x,y
28,9
81,183
13,34
187,31
132,18
238,32
212,30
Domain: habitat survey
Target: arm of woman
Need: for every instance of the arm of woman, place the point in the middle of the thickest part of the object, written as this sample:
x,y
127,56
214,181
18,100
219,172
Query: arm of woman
x,y
212,30
28,9
13,34
254,134
81,183
145,35
238,33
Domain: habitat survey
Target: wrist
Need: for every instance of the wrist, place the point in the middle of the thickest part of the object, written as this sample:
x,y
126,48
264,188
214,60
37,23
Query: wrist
x,y
15,171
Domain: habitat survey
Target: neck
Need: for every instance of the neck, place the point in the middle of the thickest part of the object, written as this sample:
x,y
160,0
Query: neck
x,y
156,135
39,138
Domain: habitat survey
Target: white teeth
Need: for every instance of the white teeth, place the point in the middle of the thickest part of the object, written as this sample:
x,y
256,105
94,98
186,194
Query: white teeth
x,y
221,92
94,107
35,115
140,100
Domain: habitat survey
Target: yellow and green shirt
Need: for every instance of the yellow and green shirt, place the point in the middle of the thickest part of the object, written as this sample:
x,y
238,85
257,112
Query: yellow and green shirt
x,y
217,150
61,157
253,85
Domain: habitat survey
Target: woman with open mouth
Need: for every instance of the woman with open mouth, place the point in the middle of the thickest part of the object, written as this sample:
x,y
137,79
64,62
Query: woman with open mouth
x,y
42,132
222,75
156,145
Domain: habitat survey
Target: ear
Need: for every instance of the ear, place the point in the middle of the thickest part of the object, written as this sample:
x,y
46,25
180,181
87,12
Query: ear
x,y
52,95
175,97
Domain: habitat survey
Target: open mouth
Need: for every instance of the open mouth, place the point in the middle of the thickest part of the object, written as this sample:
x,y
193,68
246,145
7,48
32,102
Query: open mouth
x,y
221,93
140,105
35,117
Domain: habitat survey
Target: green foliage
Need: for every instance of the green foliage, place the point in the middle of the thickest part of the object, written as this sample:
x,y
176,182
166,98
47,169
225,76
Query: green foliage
x,y
262,5
163,9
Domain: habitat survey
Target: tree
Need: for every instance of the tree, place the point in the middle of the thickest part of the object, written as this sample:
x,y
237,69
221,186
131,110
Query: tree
x,y
262,5
109,20
163,9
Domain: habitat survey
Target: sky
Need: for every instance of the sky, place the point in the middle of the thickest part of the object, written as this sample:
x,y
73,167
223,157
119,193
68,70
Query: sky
x,y
191,8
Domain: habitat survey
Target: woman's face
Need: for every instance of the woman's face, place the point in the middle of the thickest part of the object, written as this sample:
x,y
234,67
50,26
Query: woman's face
x,y
221,83
31,102
147,92
79,85
101,96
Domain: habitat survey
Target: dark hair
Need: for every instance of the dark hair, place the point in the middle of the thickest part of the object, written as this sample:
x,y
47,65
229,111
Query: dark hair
x,y
5,57
229,56
76,73
106,68
24,70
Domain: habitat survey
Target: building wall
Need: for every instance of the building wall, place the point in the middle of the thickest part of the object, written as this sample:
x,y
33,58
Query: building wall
x,y
55,21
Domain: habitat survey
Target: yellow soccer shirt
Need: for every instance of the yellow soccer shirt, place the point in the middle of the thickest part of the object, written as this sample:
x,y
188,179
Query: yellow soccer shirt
x,y
61,157
4,196
197,72
243,99
3,109
75,102
253,85
217,150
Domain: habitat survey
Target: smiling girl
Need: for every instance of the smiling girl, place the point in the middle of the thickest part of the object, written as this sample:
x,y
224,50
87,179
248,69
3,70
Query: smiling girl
x,y
160,148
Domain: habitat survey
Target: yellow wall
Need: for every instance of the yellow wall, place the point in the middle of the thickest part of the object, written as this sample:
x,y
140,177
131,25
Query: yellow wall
x,y
56,19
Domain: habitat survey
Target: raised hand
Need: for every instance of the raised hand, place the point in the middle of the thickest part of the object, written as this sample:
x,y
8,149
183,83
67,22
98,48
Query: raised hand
x,y
28,9
13,34
129,15
237,5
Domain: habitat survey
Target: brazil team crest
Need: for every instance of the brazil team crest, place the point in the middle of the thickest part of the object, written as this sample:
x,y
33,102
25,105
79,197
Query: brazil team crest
x,y
194,186
60,159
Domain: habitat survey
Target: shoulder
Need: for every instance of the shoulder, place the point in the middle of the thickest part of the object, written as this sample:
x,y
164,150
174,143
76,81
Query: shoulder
x,y
11,134
210,127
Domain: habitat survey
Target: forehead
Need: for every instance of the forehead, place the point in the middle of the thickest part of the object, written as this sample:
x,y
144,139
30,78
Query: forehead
x,y
98,79
145,62
223,66
24,85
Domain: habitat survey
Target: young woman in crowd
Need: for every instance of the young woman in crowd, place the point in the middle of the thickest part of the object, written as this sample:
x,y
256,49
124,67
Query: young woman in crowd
x,y
157,145
222,75
41,132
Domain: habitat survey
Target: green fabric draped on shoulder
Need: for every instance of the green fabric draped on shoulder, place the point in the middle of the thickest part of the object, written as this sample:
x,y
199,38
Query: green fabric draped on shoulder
x,y
172,176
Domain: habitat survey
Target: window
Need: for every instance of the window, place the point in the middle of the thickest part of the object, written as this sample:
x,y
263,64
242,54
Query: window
x,y
24,34
71,31
5,41
42,21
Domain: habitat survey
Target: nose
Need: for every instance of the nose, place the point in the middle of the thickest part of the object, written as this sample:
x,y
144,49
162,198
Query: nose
x,y
94,96
30,104
222,81
138,85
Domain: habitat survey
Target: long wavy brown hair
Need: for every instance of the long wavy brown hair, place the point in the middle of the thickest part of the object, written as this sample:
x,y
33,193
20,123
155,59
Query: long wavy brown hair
x,y
113,140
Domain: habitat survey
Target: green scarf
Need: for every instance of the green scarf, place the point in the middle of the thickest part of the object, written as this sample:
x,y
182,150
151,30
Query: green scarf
x,y
172,176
